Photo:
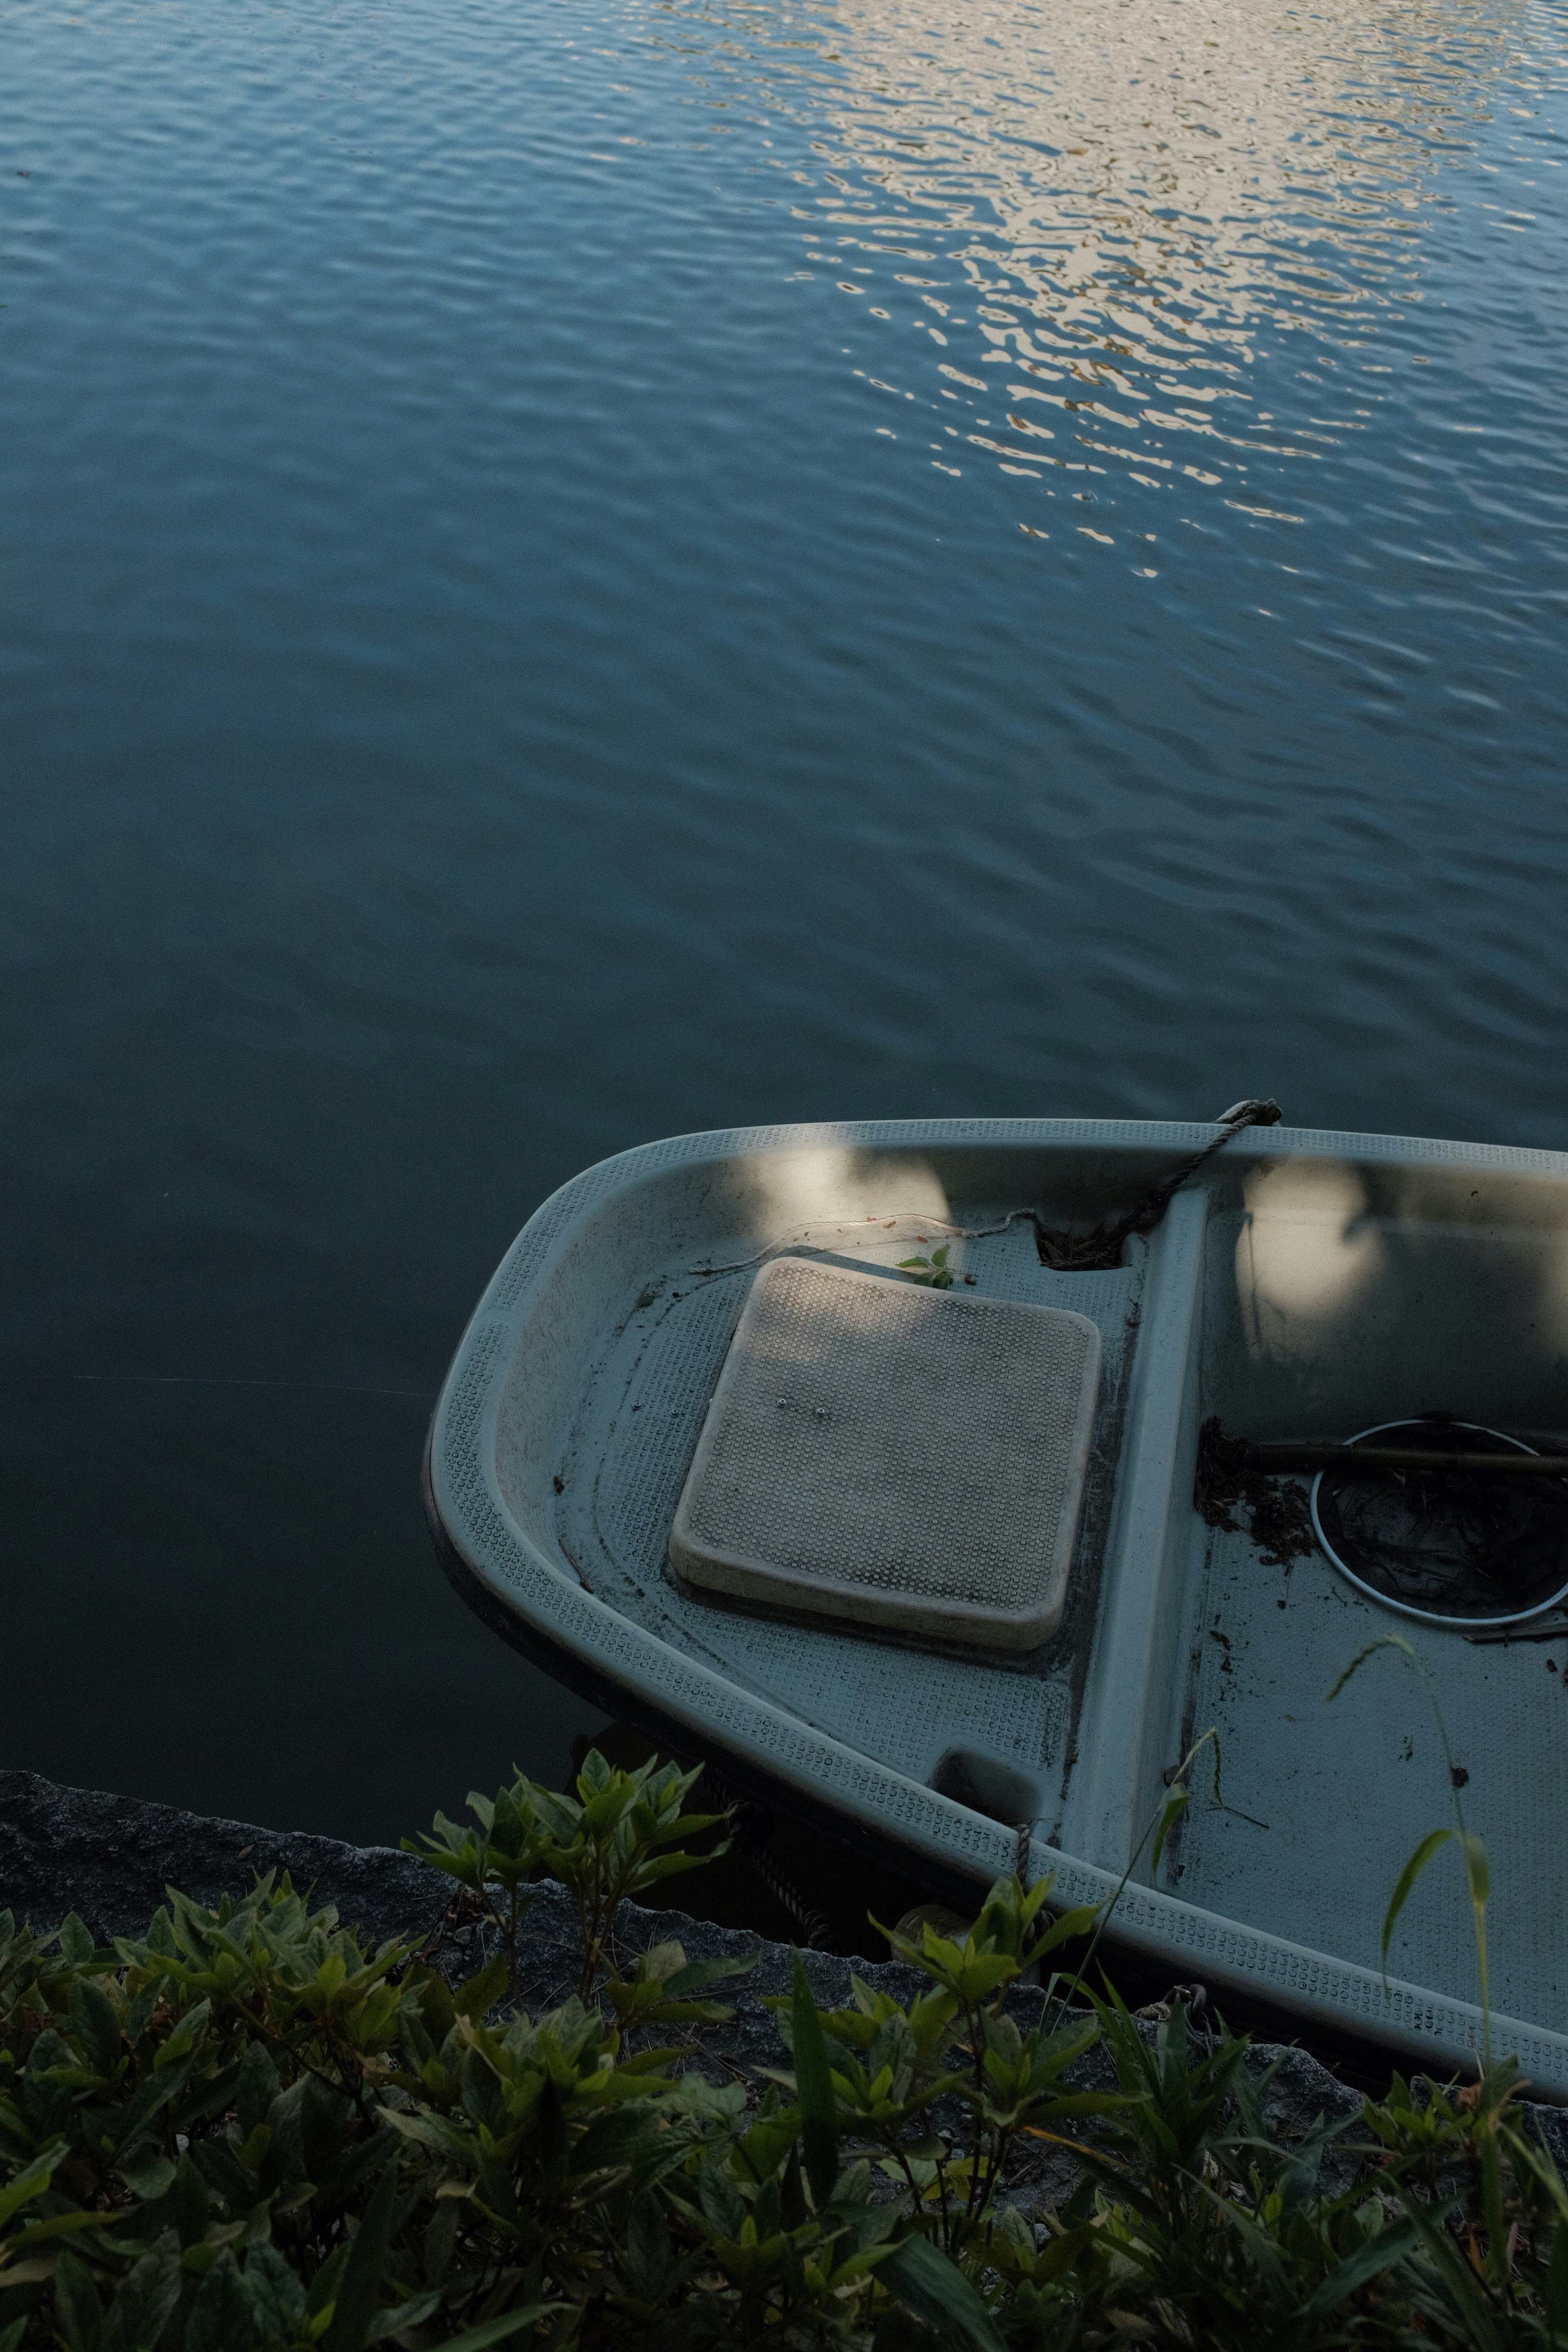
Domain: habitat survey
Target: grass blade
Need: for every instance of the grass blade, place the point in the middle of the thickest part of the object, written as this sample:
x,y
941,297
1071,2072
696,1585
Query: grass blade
x,y
1412,1871
814,2090
1356,2270
495,2331
1471,2303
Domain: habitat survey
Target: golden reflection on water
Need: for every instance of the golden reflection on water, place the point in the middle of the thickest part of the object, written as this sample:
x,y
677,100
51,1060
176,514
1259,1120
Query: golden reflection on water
x,y
1117,205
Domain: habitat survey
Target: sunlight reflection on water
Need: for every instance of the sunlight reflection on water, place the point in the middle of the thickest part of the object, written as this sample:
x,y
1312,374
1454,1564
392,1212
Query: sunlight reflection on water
x,y
1090,216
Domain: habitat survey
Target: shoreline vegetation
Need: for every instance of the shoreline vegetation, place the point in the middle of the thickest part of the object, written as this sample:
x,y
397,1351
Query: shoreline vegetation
x,y
246,2130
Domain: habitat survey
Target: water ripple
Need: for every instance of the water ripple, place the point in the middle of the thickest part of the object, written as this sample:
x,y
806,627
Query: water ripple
x,y
567,575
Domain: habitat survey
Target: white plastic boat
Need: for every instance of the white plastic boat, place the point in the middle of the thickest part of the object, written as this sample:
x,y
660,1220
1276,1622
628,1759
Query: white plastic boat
x,y
1305,1285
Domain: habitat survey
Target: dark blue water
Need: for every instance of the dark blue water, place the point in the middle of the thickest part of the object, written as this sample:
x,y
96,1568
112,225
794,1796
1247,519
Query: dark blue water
x,y
568,574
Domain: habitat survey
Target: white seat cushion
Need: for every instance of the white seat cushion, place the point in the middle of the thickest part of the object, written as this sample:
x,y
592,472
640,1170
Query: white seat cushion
x,y
906,1460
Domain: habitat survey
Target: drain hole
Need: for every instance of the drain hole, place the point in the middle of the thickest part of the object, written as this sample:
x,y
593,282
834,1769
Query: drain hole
x,y
989,1785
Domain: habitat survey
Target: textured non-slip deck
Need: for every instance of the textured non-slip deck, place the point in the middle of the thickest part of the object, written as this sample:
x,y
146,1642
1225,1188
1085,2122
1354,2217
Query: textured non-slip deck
x,y
894,1456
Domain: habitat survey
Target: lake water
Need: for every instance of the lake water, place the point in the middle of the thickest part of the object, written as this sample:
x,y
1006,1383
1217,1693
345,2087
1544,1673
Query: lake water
x,y
573,573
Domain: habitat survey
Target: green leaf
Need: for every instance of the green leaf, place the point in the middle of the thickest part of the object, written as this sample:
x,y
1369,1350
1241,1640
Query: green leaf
x,y
1468,2295
76,1944
219,2165
814,2090
1171,1811
397,2316
256,2088
1476,1868
146,2173
183,2040
190,2204
320,2130
671,1865
763,2149
698,1974
477,1998
158,2092
275,2293
647,2246
1556,2296
1429,1845
723,2205
324,2286
58,2225
494,2331
149,2297
356,2296
32,2180
1063,1930
221,2317
78,2311
1348,2277
95,2023
936,2290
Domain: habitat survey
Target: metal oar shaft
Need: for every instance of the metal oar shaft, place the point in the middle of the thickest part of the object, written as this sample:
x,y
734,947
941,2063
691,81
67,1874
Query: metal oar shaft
x,y
1530,1629
1273,1458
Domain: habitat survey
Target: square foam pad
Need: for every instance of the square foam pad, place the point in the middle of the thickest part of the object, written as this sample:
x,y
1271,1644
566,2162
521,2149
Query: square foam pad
x,y
907,1460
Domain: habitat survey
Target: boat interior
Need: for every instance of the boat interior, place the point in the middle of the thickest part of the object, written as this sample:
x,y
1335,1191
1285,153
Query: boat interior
x,y
1301,1286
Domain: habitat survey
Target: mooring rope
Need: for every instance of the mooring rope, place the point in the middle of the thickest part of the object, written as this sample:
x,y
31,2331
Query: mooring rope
x,y
1069,1253
752,1824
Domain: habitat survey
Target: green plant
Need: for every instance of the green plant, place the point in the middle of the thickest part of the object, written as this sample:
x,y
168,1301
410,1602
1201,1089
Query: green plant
x,y
245,2132
935,1271
899,2065
610,1843
193,2144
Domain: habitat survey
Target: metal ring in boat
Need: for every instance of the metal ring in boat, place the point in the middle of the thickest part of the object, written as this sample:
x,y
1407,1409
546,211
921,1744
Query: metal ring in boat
x,y
1407,1608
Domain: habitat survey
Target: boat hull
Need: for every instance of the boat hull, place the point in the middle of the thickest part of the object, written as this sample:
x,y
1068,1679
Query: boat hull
x,y
1305,1284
